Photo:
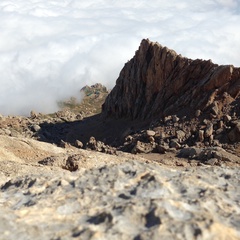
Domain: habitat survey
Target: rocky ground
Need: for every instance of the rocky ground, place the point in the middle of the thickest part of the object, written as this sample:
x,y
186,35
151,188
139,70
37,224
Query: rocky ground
x,y
58,190
128,200
79,174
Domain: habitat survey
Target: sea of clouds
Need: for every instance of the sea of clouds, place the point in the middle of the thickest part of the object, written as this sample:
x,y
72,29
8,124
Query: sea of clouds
x,y
50,49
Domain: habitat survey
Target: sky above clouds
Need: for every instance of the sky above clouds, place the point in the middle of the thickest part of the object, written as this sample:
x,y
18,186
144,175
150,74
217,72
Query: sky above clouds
x,y
50,49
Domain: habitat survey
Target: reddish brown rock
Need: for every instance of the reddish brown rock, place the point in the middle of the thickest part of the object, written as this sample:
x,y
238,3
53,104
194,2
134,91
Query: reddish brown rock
x,y
158,82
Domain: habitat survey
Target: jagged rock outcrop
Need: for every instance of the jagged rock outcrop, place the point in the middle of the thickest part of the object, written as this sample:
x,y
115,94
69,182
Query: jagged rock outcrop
x,y
159,82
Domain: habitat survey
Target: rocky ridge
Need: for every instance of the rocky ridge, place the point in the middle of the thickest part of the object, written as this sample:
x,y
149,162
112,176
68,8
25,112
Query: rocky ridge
x,y
184,102
157,82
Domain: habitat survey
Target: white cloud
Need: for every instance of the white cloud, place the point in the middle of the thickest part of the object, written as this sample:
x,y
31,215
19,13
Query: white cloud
x,y
50,49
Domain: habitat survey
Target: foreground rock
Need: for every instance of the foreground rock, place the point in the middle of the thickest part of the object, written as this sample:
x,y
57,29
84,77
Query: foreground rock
x,y
131,200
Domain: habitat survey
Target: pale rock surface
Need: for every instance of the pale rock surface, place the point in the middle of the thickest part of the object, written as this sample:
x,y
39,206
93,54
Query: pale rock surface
x,y
130,200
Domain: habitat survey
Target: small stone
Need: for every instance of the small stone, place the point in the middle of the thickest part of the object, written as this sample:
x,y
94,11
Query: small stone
x,y
129,138
150,133
215,109
208,130
201,135
162,135
234,134
175,118
220,124
180,135
72,163
141,147
205,121
162,148
198,113
36,128
151,139
167,118
78,144
227,118
174,144
211,139
189,152
33,114
7,132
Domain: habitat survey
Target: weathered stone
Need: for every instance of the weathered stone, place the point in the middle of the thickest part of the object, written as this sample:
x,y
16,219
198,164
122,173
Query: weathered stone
x,y
234,134
211,139
151,139
201,135
189,152
72,163
163,148
78,144
129,138
7,132
150,133
175,119
36,127
209,130
157,82
33,114
180,135
141,147
227,118
220,124
215,109
131,200
174,144
212,161
198,113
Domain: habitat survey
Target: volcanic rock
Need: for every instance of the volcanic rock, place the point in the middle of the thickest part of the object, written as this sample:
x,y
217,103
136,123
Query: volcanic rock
x,y
130,200
158,82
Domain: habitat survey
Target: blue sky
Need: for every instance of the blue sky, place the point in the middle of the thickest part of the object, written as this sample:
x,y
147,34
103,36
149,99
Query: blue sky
x,y
50,49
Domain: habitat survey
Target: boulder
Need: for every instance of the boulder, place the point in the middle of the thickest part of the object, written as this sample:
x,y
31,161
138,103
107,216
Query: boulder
x,y
234,134
141,147
180,135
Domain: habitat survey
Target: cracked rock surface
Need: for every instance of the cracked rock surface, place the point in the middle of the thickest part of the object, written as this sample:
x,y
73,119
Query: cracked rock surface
x,y
129,200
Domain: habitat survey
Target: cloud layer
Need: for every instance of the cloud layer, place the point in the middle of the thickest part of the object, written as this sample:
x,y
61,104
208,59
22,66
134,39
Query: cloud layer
x,y
50,49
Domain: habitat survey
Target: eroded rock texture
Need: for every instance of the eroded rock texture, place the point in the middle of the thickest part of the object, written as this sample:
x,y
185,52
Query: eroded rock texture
x,y
159,82
132,200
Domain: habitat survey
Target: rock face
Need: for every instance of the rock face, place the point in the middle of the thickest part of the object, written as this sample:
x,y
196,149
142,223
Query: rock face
x,y
159,82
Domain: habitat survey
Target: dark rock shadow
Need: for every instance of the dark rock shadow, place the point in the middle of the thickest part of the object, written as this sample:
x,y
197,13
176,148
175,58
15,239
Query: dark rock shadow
x,y
108,130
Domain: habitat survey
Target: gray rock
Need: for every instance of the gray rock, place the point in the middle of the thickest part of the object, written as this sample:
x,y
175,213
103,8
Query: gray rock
x,y
174,144
141,147
189,152
131,200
